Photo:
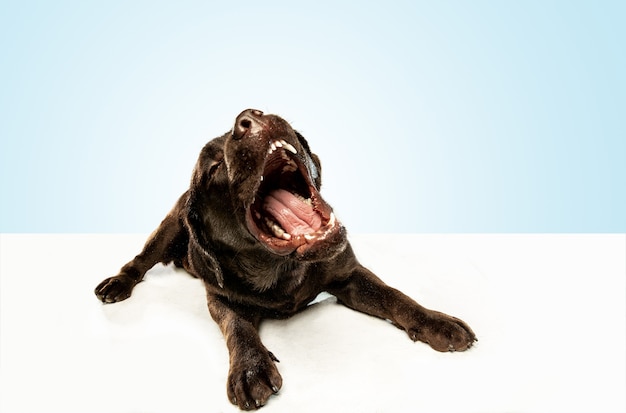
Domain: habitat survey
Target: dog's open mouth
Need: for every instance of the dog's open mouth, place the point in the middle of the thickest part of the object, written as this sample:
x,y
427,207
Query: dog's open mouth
x,y
288,214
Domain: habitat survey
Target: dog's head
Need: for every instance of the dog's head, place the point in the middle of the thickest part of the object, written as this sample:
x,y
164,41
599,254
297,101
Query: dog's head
x,y
272,180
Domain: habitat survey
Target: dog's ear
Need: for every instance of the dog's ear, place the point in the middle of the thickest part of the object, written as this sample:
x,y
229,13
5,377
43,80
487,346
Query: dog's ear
x,y
209,162
315,164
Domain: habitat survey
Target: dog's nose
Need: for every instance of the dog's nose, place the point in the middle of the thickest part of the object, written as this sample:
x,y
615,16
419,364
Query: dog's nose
x,y
247,122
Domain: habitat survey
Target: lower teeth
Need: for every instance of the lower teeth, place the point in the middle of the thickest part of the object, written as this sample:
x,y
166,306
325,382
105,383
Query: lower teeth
x,y
277,230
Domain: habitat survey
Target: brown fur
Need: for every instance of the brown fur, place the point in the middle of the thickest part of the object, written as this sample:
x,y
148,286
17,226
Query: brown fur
x,y
249,276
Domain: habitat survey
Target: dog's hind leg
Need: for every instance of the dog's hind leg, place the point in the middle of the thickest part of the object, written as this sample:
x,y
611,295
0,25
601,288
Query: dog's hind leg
x,y
168,243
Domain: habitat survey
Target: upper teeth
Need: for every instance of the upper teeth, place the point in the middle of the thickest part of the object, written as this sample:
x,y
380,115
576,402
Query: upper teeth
x,y
281,144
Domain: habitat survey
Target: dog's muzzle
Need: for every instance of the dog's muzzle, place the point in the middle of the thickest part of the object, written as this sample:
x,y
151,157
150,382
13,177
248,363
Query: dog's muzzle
x,y
287,213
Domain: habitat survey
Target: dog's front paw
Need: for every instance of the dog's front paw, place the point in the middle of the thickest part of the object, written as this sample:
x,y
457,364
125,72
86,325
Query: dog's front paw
x,y
115,289
252,380
442,332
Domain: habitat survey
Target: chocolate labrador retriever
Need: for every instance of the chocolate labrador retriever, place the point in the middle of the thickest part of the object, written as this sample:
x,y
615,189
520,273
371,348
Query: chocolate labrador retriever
x,y
254,227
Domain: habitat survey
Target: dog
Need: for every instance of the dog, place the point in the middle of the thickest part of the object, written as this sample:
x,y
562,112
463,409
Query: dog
x,y
255,229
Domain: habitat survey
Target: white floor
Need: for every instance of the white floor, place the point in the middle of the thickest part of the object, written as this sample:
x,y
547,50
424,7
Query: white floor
x,y
549,311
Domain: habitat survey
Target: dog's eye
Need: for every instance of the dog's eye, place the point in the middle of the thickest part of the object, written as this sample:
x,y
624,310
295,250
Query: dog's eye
x,y
213,167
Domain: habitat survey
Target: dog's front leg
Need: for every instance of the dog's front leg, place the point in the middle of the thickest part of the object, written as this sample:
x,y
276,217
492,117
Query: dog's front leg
x,y
168,243
365,292
253,376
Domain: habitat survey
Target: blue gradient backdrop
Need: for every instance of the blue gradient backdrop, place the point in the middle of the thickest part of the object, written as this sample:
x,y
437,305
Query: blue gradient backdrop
x,y
429,116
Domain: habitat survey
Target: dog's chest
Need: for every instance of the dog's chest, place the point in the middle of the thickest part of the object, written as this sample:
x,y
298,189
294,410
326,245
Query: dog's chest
x,y
284,288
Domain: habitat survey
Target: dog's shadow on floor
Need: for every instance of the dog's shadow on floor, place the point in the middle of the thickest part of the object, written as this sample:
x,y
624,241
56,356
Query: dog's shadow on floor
x,y
166,291
171,294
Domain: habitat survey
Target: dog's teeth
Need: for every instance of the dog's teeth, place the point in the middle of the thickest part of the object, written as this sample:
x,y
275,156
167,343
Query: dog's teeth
x,y
278,231
289,147
331,221
309,237
281,144
307,201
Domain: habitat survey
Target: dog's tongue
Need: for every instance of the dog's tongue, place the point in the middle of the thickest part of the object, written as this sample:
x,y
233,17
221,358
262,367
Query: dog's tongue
x,y
293,214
